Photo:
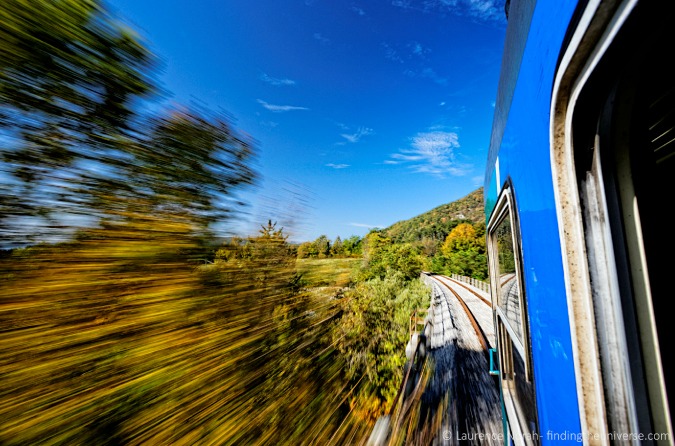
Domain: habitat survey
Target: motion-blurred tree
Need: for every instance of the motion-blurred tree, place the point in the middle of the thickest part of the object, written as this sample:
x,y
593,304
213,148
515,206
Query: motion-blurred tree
x,y
116,336
69,75
76,144
189,167
294,360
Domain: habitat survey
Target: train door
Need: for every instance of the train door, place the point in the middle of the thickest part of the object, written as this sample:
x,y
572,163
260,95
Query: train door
x,y
617,156
511,324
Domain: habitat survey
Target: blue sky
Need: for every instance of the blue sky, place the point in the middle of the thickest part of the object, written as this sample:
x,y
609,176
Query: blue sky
x,y
365,113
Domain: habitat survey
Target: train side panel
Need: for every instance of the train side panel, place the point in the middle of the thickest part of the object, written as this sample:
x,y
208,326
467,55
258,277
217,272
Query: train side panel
x,y
581,159
520,158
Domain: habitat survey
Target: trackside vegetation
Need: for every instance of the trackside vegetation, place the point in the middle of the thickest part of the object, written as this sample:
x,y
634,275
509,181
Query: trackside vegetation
x,y
124,317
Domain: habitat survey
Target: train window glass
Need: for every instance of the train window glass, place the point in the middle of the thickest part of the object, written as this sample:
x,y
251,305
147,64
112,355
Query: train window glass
x,y
511,322
509,294
522,391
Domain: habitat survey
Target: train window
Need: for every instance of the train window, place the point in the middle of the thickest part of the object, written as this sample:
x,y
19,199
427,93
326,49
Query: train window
x,y
622,127
509,294
511,321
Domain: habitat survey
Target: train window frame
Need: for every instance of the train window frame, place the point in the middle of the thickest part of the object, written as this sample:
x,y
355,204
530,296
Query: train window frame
x,y
502,212
606,274
509,343
505,208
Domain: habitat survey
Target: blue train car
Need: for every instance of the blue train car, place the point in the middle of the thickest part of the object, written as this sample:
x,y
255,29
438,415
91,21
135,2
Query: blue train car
x,y
577,198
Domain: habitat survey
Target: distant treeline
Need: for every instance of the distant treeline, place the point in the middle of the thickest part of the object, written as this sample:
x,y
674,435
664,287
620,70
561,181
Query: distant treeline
x,y
323,247
460,250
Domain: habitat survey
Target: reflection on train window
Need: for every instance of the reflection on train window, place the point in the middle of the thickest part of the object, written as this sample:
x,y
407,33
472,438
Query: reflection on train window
x,y
509,299
511,321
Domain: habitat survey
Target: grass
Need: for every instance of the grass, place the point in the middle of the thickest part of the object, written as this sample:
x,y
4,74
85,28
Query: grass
x,y
326,276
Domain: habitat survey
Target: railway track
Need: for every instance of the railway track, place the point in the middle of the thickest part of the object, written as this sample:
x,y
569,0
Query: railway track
x,y
461,386
477,305
478,329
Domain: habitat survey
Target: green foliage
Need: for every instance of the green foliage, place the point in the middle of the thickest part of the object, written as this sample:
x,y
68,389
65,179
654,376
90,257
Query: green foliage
x,y
118,335
373,333
463,252
322,248
68,77
374,329
382,257
267,258
78,147
307,250
436,224
352,246
333,273
336,248
464,263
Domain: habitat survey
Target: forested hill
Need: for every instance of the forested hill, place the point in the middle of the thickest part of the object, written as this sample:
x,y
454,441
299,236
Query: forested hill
x,y
437,223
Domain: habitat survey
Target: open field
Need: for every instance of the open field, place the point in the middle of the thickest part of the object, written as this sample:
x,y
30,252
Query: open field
x,y
326,276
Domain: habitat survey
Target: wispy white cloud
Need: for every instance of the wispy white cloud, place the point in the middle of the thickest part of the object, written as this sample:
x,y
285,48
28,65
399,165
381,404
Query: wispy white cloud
x,y
276,81
484,10
478,180
409,52
337,166
391,53
365,225
360,133
280,108
431,74
432,153
427,73
418,49
401,3
321,38
269,124
358,10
